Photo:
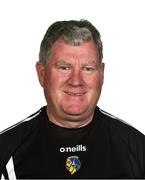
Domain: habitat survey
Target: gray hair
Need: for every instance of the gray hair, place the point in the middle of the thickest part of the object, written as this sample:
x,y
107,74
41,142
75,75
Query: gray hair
x,y
72,32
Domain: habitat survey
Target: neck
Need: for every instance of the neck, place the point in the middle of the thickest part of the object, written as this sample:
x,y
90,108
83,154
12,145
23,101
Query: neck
x,y
72,122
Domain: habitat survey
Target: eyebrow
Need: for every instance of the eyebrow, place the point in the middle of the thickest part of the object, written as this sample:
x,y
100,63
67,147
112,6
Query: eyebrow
x,y
59,62
92,62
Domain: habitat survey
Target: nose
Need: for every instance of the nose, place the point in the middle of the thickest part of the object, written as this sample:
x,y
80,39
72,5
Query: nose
x,y
76,78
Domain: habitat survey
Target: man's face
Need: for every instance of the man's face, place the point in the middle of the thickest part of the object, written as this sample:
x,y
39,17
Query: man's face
x,y
72,80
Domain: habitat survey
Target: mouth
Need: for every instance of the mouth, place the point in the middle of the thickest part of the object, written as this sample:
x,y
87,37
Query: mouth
x,y
75,94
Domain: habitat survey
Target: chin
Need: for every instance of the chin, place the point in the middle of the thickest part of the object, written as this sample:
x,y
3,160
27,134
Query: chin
x,y
75,110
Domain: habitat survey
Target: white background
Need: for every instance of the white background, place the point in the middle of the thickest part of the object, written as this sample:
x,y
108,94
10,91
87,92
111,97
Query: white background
x,y
122,26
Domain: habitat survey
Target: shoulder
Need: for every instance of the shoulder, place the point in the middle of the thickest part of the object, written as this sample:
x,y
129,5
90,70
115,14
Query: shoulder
x,y
18,127
15,135
121,129
124,136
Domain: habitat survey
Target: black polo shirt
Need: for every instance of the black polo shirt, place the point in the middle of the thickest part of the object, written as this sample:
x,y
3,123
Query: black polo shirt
x,y
35,148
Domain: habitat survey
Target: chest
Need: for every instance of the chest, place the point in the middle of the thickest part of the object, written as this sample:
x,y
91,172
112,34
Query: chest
x,y
72,157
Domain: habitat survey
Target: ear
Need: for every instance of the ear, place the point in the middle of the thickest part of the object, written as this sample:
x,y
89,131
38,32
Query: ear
x,y
102,72
40,68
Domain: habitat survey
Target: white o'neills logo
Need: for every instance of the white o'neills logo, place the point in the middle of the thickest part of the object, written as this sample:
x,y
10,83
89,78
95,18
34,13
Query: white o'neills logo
x,y
76,148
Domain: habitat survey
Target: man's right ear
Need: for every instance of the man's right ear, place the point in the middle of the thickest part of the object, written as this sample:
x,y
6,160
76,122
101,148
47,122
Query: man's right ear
x,y
40,68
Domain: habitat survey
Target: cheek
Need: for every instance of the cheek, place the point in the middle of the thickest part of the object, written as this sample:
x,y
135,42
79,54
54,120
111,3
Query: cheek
x,y
95,87
54,80
93,82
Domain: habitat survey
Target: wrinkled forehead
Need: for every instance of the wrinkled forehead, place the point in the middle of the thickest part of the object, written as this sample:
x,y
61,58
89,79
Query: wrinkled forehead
x,y
86,50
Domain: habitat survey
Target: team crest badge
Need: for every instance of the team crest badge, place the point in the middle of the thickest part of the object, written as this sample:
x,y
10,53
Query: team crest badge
x,y
73,164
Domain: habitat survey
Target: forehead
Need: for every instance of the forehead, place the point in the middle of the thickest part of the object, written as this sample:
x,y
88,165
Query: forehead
x,y
61,50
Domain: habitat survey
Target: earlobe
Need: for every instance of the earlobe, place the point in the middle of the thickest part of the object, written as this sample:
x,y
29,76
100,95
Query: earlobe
x,y
40,72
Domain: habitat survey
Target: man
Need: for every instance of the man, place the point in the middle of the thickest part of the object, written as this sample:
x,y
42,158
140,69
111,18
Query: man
x,y
71,137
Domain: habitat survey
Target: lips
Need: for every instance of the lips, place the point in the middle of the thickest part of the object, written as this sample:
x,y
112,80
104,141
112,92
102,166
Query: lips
x,y
75,93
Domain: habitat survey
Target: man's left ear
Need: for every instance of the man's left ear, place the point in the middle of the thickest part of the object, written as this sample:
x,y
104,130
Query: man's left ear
x,y
40,72
102,72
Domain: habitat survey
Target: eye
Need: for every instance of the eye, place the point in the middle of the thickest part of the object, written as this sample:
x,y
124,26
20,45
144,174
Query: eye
x,y
88,69
64,68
